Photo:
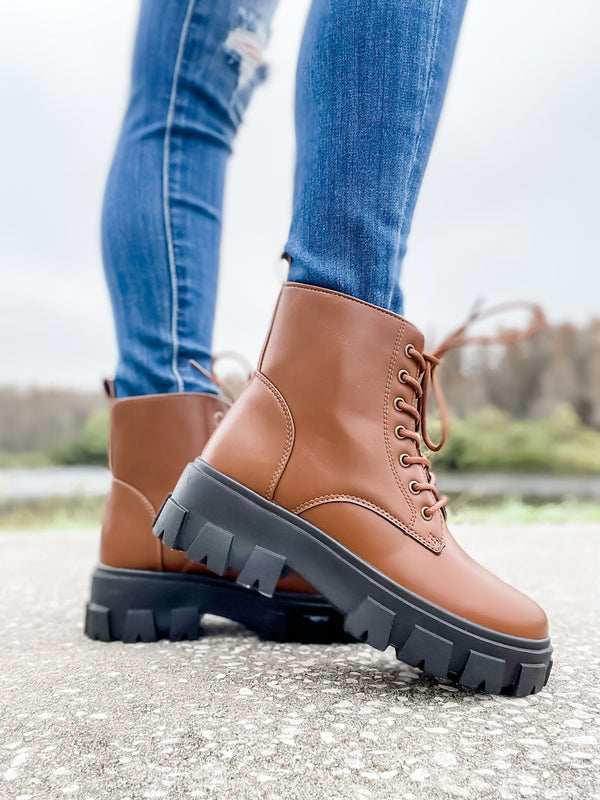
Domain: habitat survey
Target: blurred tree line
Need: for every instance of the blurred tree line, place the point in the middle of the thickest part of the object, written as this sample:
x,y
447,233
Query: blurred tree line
x,y
533,405
38,420
529,379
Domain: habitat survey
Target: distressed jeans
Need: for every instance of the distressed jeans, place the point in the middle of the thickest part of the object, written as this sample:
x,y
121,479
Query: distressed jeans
x,y
371,78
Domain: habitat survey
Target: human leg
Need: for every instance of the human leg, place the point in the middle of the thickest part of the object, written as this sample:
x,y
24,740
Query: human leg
x,y
370,84
195,66
196,63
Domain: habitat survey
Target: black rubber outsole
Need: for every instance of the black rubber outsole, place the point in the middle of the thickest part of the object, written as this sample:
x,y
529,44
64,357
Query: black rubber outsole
x,y
221,523
130,605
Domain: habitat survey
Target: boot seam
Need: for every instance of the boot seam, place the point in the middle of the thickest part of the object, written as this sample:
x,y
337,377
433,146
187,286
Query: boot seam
x,y
142,497
152,511
431,537
386,403
432,542
290,434
343,296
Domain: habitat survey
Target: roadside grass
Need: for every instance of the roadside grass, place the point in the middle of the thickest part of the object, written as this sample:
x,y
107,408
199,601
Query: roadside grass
x,y
83,513
515,510
53,513
24,460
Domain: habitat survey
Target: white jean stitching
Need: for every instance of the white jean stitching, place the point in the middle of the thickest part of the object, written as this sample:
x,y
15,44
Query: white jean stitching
x,y
166,193
426,104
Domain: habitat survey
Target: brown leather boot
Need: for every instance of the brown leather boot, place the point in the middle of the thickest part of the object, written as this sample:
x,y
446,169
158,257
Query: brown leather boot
x,y
318,467
141,590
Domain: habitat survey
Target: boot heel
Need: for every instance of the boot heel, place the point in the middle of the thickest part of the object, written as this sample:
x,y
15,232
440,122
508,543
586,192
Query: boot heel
x,y
128,605
200,540
198,518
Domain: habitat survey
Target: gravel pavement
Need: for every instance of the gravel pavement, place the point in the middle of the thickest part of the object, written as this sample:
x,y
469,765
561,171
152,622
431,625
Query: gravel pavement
x,y
231,717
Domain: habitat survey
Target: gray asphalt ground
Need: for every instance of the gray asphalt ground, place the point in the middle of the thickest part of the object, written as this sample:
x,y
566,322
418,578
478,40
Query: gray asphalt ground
x,y
232,717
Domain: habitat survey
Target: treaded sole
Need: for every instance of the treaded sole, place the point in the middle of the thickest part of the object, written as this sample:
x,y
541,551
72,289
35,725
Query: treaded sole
x,y
129,605
215,520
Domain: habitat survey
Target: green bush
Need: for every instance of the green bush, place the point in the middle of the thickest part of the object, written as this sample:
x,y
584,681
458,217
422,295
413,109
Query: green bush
x,y
90,446
490,441
487,441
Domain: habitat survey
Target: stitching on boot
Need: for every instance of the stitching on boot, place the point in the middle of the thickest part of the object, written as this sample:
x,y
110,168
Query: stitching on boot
x,y
149,507
342,296
157,544
213,424
431,537
386,404
289,422
431,541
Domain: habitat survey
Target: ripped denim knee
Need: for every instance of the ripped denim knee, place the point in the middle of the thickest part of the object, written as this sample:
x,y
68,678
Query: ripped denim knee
x,y
244,49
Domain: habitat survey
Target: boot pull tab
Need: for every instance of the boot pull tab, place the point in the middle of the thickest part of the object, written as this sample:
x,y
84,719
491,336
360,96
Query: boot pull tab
x,y
109,388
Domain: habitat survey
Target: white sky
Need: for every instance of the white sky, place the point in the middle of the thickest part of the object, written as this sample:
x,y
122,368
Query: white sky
x,y
510,207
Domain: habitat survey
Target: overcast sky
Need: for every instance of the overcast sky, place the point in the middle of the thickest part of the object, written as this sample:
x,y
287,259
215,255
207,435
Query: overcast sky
x,y
510,207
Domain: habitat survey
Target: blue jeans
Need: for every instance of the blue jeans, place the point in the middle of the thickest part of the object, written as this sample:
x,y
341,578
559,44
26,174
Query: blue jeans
x,y
370,83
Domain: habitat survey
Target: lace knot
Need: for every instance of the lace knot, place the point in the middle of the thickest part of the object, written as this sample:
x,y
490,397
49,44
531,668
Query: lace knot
x,y
458,339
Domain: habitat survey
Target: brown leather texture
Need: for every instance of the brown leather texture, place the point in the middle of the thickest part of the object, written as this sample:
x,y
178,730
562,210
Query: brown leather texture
x,y
452,579
317,432
269,437
152,438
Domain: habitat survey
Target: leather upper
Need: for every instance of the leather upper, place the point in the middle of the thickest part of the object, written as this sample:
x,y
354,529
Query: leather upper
x,y
152,438
316,431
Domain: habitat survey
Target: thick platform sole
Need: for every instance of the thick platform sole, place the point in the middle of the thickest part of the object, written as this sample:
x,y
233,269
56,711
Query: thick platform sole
x,y
130,605
217,521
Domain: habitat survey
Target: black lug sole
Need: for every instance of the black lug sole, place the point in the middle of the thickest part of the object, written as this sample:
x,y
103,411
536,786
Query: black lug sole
x,y
129,605
214,519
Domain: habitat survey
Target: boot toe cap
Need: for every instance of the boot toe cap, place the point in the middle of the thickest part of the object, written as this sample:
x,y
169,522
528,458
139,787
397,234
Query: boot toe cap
x,y
518,615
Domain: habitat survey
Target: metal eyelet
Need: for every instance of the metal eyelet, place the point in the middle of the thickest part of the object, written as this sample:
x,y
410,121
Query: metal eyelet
x,y
427,517
401,375
411,488
401,458
399,403
397,431
407,350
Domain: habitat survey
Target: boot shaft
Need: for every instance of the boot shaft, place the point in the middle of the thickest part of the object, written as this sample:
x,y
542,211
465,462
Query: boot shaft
x,y
152,438
325,413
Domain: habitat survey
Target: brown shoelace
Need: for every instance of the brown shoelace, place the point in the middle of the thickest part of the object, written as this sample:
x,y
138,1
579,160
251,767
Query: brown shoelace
x,y
231,386
428,364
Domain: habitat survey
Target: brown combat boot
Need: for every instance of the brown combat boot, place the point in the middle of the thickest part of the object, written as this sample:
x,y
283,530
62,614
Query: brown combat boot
x,y
142,590
318,467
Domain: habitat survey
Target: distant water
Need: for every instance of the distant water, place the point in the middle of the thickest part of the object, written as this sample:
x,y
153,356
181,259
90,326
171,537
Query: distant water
x,y
519,485
41,482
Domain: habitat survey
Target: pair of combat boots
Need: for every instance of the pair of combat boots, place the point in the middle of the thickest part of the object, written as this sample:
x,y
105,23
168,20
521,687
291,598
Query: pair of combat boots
x,y
309,512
